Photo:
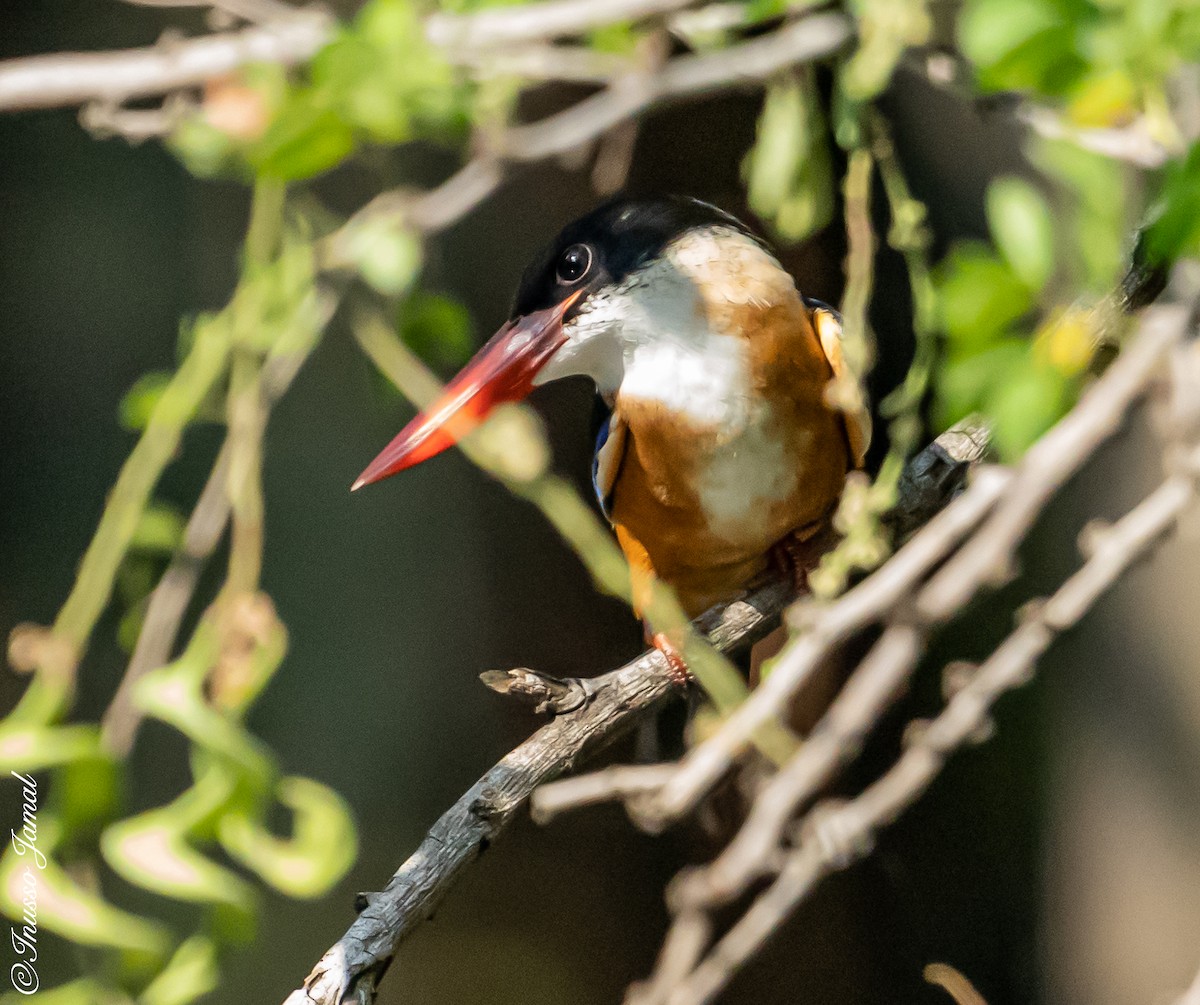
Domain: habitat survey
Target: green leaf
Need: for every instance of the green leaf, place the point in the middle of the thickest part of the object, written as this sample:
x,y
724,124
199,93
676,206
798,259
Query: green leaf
x,y
990,30
788,172
966,378
34,748
159,530
885,29
386,254
138,402
764,10
191,973
175,695
1094,189
205,150
437,328
1175,231
152,848
304,140
322,847
87,796
65,907
1024,405
1021,224
979,296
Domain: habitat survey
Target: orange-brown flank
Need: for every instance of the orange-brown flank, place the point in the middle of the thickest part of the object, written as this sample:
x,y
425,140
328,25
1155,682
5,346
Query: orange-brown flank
x,y
662,521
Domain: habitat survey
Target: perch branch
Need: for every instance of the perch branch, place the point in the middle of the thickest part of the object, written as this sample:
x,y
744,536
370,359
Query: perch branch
x,y
618,700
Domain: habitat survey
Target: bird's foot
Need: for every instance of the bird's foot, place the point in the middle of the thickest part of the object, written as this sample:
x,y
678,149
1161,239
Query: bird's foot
x,y
796,555
675,661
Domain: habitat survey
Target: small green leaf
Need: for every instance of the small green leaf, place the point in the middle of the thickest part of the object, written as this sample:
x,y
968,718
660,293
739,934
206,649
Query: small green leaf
x,y
990,30
1175,231
152,848
205,150
322,847
1021,224
978,295
87,795
1024,405
437,328
764,10
191,973
966,378
159,530
33,748
65,907
304,140
788,172
138,402
386,254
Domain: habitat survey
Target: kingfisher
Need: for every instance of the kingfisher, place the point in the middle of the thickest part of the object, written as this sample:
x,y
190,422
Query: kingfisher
x,y
719,449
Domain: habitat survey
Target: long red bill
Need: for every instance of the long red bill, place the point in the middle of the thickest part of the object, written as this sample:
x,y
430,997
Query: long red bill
x,y
503,370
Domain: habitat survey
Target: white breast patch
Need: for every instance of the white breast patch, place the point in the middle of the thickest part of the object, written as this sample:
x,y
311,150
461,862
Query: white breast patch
x,y
743,479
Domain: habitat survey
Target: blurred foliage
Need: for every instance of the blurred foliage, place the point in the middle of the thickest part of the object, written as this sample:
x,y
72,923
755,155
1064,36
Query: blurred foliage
x,y
1019,318
1006,327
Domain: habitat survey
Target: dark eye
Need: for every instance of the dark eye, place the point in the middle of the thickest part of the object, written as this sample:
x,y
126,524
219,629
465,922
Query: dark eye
x,y
574,263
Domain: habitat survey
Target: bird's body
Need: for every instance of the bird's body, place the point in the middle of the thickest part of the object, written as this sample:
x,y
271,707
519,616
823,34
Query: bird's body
x,y
719,443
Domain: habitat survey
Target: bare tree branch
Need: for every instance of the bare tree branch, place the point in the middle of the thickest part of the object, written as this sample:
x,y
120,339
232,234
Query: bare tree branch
x,y
76,78
806,40
836,834
618,700
984,561
553,19
910,595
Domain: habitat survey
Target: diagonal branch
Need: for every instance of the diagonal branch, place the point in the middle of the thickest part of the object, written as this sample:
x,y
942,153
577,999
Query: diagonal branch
x,y
619,699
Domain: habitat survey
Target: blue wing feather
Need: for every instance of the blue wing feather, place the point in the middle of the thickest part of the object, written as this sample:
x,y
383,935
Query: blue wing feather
x,y
606,459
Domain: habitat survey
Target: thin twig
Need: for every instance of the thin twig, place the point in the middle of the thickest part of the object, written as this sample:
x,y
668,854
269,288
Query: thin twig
x,y
541,21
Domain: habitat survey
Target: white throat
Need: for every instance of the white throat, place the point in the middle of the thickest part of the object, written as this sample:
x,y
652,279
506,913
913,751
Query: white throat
x,y
650,339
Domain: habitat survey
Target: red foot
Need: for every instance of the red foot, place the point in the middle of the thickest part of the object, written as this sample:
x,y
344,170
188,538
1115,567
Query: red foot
x,y
675,661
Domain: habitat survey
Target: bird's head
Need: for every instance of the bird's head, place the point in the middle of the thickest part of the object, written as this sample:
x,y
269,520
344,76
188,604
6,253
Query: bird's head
x,y
602,287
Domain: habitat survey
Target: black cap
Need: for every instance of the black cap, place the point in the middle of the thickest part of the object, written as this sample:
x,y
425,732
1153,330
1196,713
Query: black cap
x,y
620,236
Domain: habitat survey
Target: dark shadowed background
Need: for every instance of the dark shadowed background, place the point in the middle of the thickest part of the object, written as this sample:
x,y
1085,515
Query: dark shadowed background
x,y
1059,862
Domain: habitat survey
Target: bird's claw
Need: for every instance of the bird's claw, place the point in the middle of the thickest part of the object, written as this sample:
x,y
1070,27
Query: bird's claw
x,y
676,663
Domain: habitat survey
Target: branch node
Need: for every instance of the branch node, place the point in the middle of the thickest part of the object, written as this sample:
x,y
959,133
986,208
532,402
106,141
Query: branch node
x,y
957,675
838,833
364,899
555,695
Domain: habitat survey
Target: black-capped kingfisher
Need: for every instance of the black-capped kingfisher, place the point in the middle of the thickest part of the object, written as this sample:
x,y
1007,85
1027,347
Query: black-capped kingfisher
x,y
719,444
